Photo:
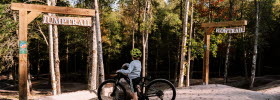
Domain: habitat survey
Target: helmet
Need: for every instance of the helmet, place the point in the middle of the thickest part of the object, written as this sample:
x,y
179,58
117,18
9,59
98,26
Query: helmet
x,y
135,53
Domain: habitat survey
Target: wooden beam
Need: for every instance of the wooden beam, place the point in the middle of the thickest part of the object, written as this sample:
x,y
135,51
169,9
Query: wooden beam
x,y
22,55
52,9
205,76
225,24
32,15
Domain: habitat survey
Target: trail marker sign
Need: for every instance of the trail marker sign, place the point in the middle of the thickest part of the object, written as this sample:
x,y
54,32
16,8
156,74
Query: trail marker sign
x,y
74,21
231,30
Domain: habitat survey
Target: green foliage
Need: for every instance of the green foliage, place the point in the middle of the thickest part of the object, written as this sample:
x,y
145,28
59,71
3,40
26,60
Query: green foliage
x,y
8,39
119,19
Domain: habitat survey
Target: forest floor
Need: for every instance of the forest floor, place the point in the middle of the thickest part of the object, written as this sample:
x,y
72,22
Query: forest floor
x,y
266,88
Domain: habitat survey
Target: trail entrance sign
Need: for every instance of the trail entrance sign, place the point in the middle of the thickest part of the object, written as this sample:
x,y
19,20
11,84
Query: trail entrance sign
x,y
231,30
77,21
209,28
24,19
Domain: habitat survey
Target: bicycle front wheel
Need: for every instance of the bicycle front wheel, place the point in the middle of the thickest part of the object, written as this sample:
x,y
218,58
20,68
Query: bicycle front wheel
x,y
160,89
109,90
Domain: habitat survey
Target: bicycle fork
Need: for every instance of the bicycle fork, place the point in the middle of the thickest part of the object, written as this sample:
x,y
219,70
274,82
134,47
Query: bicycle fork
x,y
113,94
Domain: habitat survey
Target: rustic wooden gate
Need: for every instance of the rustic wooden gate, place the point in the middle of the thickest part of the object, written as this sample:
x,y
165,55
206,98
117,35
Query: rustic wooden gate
x,y
209,28
27,13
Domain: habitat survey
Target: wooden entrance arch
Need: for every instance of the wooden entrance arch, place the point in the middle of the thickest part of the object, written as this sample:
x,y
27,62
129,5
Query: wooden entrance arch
x,y
24,19
209,28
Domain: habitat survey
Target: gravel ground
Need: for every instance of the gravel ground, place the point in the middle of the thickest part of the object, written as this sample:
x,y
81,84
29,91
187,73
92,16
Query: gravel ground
x,y
79,95
198,92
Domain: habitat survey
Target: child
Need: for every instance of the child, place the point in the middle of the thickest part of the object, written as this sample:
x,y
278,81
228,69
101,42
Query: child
x,y
133,70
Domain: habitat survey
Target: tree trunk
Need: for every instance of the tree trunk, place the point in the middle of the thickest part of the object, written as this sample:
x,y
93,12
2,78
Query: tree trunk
x,y
133,26
259,69
51,61
143,43
75,59
67,56
99,43
255,52
51,57
92,62
184,40
229,44
57,61
38,61
14,71
245,57
169,69
133,41
145,36
189,51
157,62
29,83
56,55
227,61
147,53
177,63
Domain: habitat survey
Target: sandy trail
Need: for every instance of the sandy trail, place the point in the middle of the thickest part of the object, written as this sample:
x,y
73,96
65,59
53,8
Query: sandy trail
x,y
198,92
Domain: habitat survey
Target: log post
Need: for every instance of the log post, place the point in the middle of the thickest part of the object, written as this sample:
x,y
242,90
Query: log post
x,y
205,75
23,55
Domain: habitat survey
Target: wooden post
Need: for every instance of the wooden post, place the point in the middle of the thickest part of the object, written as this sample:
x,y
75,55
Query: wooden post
x,y
205,75
23,55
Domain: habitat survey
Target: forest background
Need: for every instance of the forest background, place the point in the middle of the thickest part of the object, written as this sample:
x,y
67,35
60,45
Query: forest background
x,y
123,24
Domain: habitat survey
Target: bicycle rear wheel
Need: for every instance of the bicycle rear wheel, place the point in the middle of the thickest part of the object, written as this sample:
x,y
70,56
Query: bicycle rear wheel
x,y
109,90
160,89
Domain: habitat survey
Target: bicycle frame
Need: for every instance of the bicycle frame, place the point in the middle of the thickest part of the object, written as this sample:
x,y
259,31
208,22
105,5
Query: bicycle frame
x,y
141,87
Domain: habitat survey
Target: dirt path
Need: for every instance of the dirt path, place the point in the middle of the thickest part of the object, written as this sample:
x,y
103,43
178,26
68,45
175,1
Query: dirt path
x,y
79,95
198,92
222,92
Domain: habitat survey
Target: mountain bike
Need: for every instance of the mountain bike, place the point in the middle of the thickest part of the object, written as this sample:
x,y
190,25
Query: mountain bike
x,y
157,89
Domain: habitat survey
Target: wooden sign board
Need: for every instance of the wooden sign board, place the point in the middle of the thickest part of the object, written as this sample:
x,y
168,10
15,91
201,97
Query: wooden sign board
x,y
74,21
231,30
225,24
52,9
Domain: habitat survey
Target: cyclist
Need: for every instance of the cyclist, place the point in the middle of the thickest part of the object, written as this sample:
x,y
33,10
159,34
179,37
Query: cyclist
x,y
133,71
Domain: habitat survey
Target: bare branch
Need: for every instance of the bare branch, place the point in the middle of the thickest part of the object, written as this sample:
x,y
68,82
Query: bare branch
x,y
40,30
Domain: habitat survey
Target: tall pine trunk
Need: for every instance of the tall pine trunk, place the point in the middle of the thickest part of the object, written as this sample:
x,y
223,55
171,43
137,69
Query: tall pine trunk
x,y
189,50
29,83
144,43
255,52
133,26
56,55
56,59
184,40
229,44
67,55
15,72
227,59
176,75
177,63
245,57
51,57
92,59
99,44
244,46
145,36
